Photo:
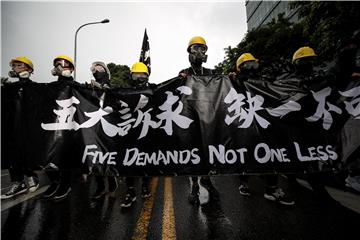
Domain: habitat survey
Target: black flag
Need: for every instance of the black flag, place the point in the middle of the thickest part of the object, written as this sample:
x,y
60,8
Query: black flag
x,y
145,52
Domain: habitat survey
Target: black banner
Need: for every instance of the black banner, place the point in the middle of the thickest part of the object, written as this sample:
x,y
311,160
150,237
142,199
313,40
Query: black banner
x,y
196,126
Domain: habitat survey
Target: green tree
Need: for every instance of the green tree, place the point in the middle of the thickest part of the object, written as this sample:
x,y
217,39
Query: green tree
x,y
322,26
328,22
120,75
270,43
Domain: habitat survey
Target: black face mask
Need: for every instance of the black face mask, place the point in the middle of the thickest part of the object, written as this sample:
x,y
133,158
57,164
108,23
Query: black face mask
x,y
304,66
249,72
305,69
101,77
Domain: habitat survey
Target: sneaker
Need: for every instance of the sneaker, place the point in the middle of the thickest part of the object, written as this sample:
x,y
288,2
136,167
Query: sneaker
x,y
278,195
62,192
129,199
16,189
145,192
194,195
353,182
51,166
51,190
33,183
244,190
113,185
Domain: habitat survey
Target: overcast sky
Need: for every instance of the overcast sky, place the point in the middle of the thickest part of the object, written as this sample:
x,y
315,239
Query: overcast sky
x,y
43,30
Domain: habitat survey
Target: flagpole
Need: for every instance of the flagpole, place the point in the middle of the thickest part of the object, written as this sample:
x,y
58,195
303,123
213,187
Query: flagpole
x,y
145,52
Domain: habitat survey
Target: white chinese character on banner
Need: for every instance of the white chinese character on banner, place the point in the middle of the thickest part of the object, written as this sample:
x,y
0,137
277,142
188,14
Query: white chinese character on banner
x,y
125,126
129,122
108,128
353,106
246,115
142,117
65,119
324,108
170,116
284,109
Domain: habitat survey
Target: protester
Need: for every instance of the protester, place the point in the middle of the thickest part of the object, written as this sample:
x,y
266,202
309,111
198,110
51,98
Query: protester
x,y
247,67
21,68
60,180
197,56
101,74
305,78
348,69
139,80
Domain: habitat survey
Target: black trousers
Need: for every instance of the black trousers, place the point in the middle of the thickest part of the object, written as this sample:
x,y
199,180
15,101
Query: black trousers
x,y
18,174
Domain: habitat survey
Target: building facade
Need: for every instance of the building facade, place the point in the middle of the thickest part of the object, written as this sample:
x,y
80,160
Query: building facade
x,y
259,13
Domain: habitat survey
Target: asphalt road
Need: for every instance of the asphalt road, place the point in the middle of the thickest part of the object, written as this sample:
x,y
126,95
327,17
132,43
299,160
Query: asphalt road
x,y
223,214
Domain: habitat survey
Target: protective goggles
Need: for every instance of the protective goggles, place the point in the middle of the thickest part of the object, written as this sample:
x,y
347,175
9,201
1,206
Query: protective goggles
x,y
17,65
198,48
63,63
97,68
140,77
250,65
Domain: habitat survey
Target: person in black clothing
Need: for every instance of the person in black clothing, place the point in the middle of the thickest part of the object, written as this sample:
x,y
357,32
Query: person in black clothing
x,y
348,72
60,186
247,67
197,56
101,74
139,79
21,68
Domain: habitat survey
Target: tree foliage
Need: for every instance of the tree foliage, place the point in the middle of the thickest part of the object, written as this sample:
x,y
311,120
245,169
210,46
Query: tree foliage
x,y
120,75
322,25
328,22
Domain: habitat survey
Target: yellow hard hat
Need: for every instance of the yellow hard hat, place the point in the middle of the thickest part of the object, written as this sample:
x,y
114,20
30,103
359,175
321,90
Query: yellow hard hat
x,y
23,60
139,67
245,57
197,40
67,58
303,52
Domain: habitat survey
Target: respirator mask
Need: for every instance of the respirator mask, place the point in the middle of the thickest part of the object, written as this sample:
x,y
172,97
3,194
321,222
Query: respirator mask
x,y
197,54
